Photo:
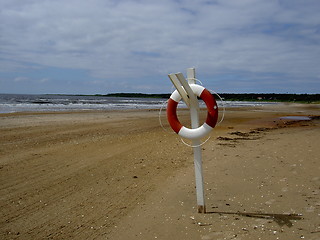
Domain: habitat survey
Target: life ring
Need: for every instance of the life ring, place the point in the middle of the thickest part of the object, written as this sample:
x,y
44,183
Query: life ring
x,y
210,122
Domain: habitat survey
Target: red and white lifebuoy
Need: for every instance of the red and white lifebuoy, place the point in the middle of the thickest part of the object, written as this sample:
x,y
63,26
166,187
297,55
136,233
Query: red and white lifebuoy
x,y
210,122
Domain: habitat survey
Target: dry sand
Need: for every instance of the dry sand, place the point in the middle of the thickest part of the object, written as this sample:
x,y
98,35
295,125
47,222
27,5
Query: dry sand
x,y
119,175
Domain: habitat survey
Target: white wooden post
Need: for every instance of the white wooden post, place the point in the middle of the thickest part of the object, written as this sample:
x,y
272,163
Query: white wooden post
x,y
194,112
183,87
176,82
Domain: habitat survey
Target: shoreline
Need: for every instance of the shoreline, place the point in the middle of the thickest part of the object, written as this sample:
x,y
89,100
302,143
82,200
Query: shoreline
x,y
59,103
113,174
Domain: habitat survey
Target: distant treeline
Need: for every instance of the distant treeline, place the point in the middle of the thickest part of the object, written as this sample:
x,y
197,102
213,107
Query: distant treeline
x,y
307,98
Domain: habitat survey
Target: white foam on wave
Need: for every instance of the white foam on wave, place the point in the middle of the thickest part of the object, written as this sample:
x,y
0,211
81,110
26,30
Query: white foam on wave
x,y
42,103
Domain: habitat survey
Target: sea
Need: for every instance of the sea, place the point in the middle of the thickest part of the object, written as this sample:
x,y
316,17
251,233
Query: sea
x,y
11,103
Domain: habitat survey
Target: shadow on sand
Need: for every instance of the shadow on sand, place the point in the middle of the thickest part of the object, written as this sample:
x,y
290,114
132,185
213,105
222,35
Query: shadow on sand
x,y
280,219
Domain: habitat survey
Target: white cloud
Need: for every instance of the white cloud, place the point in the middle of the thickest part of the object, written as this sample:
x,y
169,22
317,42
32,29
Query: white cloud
x,y
43,80
125,39
20,79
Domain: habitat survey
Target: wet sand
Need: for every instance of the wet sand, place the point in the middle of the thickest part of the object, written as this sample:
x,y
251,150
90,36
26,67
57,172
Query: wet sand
x,y
119,175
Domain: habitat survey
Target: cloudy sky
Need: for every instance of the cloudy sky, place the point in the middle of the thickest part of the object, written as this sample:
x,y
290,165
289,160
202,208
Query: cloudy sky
x,y
104,46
